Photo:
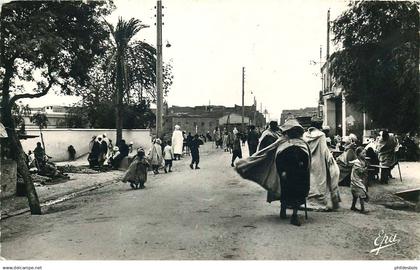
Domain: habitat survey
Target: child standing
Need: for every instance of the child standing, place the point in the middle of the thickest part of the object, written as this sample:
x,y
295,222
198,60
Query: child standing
x,y
195,153
137,171
358,180
168,156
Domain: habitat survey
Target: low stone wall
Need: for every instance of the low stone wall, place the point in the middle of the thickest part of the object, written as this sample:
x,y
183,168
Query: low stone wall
x,y
8,176
58,140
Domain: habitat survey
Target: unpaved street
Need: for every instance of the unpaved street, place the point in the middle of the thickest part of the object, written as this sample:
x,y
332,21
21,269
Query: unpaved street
x,y
202,214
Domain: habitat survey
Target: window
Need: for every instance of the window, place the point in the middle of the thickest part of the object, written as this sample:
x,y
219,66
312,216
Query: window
x,y
210,124
202,124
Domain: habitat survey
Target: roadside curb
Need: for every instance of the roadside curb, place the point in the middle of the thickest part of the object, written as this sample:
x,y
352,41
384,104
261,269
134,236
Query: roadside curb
x,y
58,199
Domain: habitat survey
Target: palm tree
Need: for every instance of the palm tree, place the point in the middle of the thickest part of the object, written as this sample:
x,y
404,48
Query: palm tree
x,y
121,37
41,120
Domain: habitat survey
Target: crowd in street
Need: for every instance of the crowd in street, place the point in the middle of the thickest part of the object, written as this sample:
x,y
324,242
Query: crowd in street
x,y
301,167
296,166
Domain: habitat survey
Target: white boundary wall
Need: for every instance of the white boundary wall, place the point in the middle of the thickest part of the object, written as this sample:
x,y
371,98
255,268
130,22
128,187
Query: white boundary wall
x,y
57,140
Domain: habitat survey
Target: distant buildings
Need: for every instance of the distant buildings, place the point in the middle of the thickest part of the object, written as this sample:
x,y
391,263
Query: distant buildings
x,y
200,119
56,116
302,115
203,119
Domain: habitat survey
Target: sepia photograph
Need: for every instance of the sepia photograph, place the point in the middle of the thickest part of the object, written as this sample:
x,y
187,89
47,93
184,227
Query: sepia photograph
x,y
209,133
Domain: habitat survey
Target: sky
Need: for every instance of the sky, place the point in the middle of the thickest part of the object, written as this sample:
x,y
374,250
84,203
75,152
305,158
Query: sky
x,y
211,40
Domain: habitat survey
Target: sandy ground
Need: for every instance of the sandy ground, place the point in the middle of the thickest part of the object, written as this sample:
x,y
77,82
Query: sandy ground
x,y
207,214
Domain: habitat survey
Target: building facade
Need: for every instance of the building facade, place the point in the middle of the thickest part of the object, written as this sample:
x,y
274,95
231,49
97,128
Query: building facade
x,y
302,115
56,116
342,118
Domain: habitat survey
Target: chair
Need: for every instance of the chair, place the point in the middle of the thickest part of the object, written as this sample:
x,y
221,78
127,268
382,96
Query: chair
x,y
399,169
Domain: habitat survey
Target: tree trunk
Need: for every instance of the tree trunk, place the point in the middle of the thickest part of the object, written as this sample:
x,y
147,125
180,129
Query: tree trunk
x,y
19,157
42,140
120,94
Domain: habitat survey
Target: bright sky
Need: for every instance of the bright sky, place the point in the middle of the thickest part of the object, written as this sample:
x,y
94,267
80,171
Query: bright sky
x,y
212,40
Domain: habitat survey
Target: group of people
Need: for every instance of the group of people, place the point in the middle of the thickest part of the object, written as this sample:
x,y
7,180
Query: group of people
x,y
297,167
161,155
380,152
294,166
38,161
102,152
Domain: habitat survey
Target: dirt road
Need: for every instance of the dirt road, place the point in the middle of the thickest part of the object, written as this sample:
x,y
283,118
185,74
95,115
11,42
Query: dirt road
x,y
202,214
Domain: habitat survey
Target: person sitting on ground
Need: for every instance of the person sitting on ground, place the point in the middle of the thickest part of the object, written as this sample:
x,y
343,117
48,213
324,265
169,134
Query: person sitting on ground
x,y
113,154
195,153
168,156
31,159
136,173
358,180
39,154
110,149
122,153
130,147
72,152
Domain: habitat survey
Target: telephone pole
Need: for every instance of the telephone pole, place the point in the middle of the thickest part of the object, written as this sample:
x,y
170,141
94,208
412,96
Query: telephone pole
x,y
243,97
159,70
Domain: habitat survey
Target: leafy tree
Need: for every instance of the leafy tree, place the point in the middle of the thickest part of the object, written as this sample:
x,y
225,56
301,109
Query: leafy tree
x,y
75,118
378,61
52,45
133,73
121,36
41,120
139,116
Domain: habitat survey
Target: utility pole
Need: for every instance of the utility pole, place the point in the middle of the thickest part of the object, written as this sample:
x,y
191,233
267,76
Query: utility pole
x,y
159,70
322,79
328,52
255,111
243,96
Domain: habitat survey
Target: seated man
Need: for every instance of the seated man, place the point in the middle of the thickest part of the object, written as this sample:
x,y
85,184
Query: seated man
x,y
39,154
123,151
372,159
